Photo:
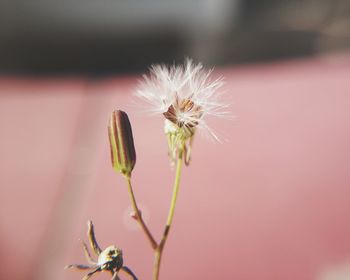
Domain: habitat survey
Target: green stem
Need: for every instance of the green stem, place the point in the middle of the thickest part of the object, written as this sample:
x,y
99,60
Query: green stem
x,y
139,216
159,249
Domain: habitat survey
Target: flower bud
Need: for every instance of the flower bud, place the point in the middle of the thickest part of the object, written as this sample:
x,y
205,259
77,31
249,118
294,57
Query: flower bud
x,y
122,143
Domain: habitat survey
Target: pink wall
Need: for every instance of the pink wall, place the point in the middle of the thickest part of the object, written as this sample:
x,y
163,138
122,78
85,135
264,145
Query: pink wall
x,y
271,203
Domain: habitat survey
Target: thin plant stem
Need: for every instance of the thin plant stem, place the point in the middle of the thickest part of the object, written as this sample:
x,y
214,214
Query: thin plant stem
x,y
129,272
160,247
138,215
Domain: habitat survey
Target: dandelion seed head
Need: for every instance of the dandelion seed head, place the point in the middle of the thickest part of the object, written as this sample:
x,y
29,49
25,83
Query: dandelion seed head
x,y
184,94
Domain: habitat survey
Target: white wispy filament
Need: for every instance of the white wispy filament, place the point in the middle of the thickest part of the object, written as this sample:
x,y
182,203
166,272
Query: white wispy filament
x,y
185,95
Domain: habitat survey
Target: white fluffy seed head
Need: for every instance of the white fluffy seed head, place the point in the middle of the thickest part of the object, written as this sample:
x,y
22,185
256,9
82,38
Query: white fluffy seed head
x,y
185,95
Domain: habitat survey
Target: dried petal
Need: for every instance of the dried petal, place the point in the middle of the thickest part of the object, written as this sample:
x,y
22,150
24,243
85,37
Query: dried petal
x,y
92,239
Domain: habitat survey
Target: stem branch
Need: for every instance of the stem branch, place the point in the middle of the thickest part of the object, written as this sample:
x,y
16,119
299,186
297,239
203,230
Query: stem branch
x,y
160,247
138,215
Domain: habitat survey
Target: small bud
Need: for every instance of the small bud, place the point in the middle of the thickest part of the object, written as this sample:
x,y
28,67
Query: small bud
x,y
133,215
122,143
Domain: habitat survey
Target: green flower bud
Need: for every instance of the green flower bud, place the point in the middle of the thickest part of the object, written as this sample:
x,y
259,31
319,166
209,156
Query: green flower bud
x,y
122,143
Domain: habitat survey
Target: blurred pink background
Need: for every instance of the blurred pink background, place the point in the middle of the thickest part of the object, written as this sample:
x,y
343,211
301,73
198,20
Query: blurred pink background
x,y
270,203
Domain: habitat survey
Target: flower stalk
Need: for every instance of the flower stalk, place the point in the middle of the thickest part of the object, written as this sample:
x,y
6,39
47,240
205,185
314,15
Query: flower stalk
x,y
123,160
138,215
159,249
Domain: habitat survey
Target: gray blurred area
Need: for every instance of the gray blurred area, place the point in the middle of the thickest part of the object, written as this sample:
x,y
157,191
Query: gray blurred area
x,y
123,36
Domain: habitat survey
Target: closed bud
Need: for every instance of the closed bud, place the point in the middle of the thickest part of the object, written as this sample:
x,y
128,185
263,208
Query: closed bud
x,y
122,143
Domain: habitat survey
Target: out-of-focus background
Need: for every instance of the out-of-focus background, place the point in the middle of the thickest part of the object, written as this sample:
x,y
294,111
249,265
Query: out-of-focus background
x,y
270,203
116,36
